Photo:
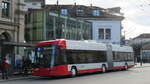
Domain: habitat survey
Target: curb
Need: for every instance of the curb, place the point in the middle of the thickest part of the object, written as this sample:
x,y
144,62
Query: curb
x,y
138,65
141,66
17,78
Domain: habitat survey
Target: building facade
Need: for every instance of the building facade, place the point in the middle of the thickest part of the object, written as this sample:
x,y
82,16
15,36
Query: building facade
x,y
146,55
106,23
41,24
141,47
11,28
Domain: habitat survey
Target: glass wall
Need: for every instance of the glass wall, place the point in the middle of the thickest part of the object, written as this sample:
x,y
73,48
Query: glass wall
x,y
44,25
34,26
146,56
63,27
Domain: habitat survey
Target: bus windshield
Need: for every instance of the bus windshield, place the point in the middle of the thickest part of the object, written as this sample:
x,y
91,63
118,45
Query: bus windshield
x,y
44,56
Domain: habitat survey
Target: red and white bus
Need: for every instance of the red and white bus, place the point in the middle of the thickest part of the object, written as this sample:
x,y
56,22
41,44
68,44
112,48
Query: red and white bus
x,y
67,57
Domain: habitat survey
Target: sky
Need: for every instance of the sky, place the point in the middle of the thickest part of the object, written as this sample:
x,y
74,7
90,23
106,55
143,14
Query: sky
x,y
136,13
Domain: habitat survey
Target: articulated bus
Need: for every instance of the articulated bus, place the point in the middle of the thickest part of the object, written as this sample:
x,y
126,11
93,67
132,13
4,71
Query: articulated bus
x,y
68,57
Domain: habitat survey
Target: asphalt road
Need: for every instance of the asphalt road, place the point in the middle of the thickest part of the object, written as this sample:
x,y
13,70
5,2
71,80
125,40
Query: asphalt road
x,y
132,76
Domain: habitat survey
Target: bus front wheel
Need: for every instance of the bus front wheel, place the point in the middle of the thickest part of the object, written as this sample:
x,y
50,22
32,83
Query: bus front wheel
x,y
73,72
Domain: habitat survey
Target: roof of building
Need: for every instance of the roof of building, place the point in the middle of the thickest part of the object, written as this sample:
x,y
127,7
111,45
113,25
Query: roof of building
x,y
144,35
73,6
34,0
57,15
114,9
146,46
104,13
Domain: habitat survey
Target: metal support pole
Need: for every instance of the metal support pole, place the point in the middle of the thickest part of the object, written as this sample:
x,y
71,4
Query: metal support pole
x,y
141,62
54,28
141,58
0,52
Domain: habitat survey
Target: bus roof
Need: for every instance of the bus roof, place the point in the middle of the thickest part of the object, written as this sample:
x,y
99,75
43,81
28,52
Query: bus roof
x,y
121,48
61,43
84,45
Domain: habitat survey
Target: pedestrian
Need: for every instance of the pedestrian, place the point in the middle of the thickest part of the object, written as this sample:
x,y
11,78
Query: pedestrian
x,y
4,65
0,66
26,65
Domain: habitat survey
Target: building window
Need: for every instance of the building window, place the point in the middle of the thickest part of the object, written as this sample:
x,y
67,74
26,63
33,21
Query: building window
x,y
96,13
5,9
101,34
80,12
64,11
108,34
104,34
34,3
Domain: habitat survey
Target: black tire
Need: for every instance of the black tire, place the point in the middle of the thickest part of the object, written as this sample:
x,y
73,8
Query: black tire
x,y
73,72
126,66
104,68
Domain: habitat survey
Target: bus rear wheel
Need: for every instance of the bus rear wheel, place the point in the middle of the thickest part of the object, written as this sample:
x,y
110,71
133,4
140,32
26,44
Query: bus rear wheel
x,y
73,72
126,67
103,68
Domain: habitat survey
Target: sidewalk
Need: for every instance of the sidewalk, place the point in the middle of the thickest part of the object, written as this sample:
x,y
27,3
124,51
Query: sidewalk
x,y
15,77
143,65
20,77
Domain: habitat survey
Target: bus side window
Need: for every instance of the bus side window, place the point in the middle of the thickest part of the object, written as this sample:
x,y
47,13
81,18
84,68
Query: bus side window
x,y
114,56
117,56
64,57
61,57
130,56
104,56
69,57
58,57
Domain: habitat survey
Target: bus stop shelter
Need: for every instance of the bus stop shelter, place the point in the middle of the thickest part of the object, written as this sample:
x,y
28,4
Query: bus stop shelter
x,y
12,51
